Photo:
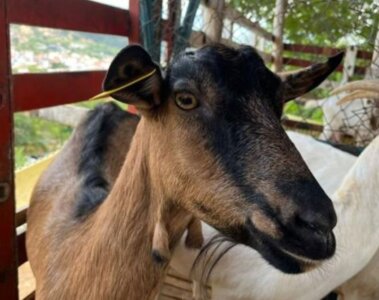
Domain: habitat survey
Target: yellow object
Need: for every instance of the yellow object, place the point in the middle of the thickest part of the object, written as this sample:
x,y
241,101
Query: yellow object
x,y
108,93
27,178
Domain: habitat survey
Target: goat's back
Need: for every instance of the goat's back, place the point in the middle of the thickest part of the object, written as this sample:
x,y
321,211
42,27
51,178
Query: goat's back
x,y
96,150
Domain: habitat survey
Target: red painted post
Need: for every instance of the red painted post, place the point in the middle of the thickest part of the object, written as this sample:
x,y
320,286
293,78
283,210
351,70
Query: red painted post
x,y
134,26
134,31
8,260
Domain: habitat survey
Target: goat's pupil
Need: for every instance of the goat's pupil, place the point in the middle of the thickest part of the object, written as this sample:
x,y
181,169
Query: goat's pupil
x,y
186,100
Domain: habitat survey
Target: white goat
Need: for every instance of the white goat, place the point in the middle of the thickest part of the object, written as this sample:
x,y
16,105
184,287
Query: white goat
x,y
243,274
360,119
364,285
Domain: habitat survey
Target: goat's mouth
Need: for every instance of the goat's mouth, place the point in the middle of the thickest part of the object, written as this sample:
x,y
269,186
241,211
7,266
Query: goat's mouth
x,y
288,254
285,260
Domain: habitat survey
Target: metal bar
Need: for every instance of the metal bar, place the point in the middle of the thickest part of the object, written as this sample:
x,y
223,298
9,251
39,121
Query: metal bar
x,y
8,262
81,15
32,91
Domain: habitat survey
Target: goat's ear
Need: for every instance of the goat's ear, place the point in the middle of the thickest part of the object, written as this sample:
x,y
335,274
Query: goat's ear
x,y
131,63
300,82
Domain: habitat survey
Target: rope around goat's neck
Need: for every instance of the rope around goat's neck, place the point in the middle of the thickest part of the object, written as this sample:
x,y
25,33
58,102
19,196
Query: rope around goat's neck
x,y
128,84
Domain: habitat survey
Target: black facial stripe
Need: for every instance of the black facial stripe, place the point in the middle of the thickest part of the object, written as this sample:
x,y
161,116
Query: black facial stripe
x,y
233,139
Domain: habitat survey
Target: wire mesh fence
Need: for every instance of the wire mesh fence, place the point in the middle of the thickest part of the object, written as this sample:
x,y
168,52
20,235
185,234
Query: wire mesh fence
x,y
288,35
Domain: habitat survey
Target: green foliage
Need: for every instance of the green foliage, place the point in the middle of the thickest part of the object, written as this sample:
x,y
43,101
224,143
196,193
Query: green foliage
x,y
20,158
322,22
35,137
294,109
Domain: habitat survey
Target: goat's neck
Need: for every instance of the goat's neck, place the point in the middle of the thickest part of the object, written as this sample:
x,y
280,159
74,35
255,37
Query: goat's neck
x,y
126,221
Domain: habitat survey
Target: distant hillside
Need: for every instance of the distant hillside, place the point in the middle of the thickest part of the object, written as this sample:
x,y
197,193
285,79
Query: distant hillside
x,y
36,49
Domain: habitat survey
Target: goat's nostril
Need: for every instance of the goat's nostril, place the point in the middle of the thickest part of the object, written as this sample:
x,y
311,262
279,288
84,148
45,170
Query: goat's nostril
x,y
312,222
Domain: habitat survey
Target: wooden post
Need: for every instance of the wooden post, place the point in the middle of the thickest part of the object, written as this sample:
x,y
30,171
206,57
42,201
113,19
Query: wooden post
x,y
374,66
280,11
134,33
213,19
8,256
349,63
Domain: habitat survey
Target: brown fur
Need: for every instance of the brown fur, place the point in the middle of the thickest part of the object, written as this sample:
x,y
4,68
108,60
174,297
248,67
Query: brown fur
x,y
90,242
174,171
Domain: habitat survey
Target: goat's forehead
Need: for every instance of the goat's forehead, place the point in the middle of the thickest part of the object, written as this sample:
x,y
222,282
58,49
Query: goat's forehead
x,y
227,74
219,61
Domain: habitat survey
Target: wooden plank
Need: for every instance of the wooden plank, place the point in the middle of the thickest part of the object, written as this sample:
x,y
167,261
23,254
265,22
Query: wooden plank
x,y
178,282
8,263
21,216
21,249
27,178
302,63
293,124
174,291
364,54
33,91
81,15
327,51
31,296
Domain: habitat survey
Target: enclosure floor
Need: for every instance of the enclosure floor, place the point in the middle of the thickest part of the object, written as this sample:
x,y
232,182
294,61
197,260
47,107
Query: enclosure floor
x,y
26,281
174,287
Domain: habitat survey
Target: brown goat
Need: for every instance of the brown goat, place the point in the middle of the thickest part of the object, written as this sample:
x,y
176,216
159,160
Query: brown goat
x,y
209,144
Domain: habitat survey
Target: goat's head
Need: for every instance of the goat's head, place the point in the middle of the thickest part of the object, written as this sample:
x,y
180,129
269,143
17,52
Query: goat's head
x,y
213,124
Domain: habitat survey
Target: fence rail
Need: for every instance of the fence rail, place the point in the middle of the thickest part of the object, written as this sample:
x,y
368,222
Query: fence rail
x,y
77,15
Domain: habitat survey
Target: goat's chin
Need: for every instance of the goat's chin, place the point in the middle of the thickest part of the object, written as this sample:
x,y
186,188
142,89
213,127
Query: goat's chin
x,y
286,261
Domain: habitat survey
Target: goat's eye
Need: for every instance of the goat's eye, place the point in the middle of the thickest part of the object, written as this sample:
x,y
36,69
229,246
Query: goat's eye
x,y
186,101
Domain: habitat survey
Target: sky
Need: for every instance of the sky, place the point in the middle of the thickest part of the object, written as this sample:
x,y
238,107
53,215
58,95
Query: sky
x,y
118,3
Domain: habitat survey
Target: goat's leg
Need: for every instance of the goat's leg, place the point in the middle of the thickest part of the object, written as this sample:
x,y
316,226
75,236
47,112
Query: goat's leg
x,y
194,238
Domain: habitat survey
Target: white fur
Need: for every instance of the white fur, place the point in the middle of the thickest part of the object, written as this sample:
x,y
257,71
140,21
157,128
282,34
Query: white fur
x,y
243,274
